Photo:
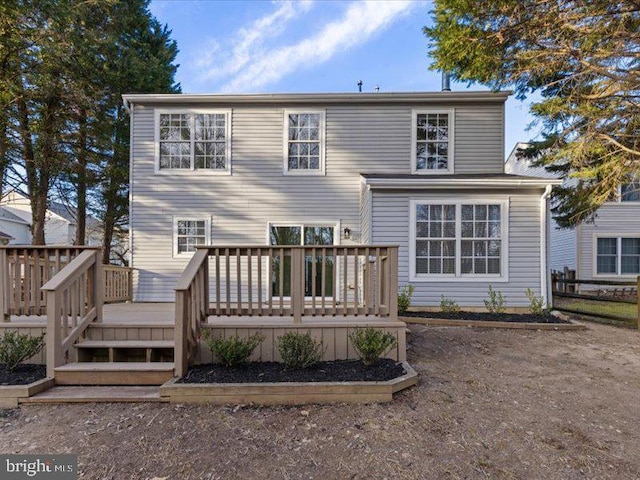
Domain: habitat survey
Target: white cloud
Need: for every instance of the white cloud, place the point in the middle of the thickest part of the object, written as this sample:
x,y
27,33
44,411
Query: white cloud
x,y
360,22
221,61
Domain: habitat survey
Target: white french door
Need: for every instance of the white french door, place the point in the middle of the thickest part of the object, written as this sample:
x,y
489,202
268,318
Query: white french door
x,y
307,234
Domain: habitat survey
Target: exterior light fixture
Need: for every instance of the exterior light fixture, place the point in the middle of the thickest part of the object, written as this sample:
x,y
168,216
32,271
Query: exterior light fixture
x,y
347,233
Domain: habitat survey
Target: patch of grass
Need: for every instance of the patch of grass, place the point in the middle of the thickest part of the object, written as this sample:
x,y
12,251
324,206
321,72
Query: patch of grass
x,y
627,311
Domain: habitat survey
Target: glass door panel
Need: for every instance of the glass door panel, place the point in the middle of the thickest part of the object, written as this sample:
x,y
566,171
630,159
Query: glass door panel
x,y
283,236
319,236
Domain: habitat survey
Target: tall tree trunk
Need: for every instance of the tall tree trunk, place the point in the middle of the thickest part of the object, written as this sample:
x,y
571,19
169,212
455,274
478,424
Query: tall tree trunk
x,y
81,186
4,160
38,203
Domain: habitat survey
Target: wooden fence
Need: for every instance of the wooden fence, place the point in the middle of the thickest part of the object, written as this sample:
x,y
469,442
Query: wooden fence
x,y
25,269
596,297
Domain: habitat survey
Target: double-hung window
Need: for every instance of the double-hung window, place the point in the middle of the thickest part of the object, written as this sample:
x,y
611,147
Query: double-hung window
x,y
188,233
432,141
188,141
617,256
465,239
304,142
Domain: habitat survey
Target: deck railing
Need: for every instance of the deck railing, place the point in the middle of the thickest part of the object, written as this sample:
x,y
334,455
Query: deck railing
x,y
117,283
25,269
192,305
74,300
283,281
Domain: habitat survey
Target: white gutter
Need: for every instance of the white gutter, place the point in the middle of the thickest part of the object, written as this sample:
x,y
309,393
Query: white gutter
x,y
544,241
426,182
327,98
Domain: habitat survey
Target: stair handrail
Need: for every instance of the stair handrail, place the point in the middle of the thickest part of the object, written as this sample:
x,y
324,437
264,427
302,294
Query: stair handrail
x,y
192,308
75,297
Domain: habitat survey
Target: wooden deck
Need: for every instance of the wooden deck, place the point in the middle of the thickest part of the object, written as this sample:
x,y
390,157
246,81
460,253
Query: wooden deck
x,y
152,314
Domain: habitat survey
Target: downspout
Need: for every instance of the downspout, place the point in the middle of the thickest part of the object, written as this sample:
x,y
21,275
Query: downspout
x,y
544,241
130,107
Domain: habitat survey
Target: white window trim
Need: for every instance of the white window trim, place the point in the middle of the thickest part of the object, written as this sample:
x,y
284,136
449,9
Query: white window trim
x,y
207,233
285,138
459,277
192,170
314,223
594,254
414,138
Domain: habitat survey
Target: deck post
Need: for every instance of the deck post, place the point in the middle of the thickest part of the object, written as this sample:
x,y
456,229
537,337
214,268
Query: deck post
x,y
392,266
54,335
181,329
4,290
297,284
98,285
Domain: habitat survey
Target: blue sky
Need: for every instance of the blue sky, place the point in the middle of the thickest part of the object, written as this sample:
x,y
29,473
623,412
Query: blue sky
x,y
309,46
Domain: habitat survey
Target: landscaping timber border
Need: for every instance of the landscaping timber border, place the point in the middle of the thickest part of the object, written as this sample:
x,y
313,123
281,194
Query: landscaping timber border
x,y
11,395
283,393
443,322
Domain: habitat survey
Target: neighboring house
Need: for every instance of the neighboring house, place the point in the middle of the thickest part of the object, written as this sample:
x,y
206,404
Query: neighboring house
x,y
607,248
5,238
424,171
60,223
15,229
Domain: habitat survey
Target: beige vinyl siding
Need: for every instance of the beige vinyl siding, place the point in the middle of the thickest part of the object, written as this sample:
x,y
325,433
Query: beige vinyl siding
x,y
359,139
390,225
616,220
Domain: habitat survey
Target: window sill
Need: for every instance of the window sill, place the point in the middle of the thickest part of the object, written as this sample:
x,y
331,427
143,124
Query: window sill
x,y
461,279
432,172
304,173
185,172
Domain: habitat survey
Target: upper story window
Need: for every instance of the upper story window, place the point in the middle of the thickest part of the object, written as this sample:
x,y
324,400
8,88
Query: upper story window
x,y
188,141
304,142
630,192
432,141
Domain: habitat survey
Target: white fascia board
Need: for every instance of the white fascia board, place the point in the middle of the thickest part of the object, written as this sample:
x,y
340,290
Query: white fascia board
x,y
430,183
323,98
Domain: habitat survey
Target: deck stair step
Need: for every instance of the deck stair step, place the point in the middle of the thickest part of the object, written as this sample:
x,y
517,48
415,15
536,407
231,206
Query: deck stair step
x,y
73,394
125,351
114,373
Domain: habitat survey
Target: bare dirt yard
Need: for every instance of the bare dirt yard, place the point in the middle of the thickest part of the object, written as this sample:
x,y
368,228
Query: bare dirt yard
x,y
500,404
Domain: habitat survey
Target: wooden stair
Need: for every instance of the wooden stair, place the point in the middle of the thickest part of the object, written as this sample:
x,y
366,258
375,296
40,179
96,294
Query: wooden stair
x,y
114,373
118,363
101,394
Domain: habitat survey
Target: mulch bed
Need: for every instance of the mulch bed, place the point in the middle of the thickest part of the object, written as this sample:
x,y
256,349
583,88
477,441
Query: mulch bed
x,y
22,375
267,372
489,317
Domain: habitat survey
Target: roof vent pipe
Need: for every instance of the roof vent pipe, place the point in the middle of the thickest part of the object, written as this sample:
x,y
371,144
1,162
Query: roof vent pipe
x,y
359,86
446,82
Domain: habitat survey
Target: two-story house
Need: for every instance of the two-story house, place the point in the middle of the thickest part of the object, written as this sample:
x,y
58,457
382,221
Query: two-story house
x,y
424,171
607,248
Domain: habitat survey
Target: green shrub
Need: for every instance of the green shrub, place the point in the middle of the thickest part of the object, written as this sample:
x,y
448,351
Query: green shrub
x,y
233,351
371,343
449,306
536,304
15,348
299,350
404,299
496,302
